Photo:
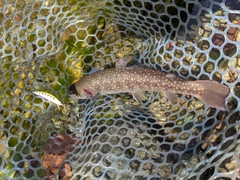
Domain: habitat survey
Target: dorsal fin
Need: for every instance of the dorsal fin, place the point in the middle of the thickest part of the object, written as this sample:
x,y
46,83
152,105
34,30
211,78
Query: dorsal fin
x,y
93,70
171,75
122,63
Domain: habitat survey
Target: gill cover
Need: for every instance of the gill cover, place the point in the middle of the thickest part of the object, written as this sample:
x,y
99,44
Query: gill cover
x,y
72,91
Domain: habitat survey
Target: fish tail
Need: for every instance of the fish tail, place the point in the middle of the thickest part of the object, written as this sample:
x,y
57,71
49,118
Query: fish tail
x,y
212,93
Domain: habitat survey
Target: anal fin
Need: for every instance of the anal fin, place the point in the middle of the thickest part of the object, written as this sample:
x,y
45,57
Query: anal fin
x,y
171,96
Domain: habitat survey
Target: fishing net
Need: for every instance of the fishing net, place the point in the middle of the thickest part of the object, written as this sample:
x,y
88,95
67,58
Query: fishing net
x,y
46,45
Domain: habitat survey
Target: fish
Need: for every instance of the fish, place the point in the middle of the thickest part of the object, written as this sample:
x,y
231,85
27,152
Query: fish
x,y
138,79
48,96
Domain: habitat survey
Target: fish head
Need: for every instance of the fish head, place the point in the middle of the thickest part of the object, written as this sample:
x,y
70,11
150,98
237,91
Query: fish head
x,y
79,92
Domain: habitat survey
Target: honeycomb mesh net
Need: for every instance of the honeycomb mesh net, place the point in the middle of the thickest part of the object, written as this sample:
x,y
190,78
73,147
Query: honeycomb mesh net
x,y
49,44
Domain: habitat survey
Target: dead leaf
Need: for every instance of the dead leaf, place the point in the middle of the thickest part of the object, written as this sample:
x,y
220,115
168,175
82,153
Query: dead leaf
x,y
55,154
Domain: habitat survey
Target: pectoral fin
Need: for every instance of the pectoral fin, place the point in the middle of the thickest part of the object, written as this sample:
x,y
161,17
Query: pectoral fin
x,y
171,96
123,62
139,96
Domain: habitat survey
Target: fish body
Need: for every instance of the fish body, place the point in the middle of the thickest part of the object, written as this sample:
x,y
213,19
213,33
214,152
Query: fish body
x,y
112,80
137,79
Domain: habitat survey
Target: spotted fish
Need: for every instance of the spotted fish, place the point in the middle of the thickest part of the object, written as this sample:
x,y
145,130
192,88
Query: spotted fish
x,y
137,79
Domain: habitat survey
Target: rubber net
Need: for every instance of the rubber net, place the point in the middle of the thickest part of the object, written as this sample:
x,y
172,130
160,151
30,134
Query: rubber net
x,y
49,44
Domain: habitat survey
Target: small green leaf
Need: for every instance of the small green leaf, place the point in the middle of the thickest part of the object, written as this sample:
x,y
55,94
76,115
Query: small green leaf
x,y
44,70
19,147
56,86
2,174
12,142
17,157
9,165
52,63
41,173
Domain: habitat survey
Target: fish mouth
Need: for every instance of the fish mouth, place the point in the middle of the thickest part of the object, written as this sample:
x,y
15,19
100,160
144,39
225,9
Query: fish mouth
x,y
72,91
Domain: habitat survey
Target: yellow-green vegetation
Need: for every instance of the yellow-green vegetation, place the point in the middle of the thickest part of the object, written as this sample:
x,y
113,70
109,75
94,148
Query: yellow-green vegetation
x,y
84,46
48,45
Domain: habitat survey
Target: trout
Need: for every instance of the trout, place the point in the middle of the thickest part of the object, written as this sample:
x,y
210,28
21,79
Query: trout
x,y
138,79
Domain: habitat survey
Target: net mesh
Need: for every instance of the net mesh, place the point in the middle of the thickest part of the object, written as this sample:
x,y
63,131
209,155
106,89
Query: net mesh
x,y
47,45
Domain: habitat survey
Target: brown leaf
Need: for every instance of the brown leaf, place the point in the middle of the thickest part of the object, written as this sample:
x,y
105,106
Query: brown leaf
x,y
55,154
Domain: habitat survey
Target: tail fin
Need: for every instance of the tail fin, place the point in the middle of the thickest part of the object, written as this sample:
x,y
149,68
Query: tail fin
x,y
214,93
